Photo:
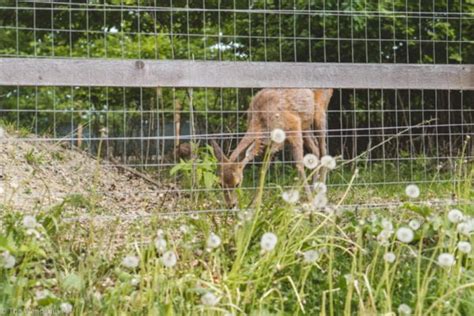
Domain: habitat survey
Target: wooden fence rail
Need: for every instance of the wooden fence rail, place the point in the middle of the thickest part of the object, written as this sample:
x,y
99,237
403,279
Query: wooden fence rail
x,y
183,73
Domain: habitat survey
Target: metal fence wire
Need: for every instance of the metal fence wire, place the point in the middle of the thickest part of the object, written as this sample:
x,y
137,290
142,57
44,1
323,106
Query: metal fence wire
x,y
413,132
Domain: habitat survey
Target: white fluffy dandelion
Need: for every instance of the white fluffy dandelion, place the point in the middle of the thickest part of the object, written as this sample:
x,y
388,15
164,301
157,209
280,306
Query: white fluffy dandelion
x,y
311,256
412,191
8,260
291,196
160,245
130,262
404,309
209,299
455,216
384,236
278,135
184,229
328,162
29,222
387,225
268,241
135,281
349,278
464,246
389,257
66,308
169,259
320,187
213,241
320,200
41,294
414,224
405,234
310,161
446,260
465,228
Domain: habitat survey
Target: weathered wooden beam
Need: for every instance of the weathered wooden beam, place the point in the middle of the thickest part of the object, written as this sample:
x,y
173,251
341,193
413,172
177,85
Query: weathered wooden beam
x,y
182,73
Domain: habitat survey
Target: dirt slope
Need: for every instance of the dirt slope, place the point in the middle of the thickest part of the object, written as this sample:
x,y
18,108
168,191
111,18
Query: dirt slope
x,y
38,174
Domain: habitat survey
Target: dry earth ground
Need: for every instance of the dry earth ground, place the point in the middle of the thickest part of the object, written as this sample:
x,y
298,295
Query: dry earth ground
x,y
39,174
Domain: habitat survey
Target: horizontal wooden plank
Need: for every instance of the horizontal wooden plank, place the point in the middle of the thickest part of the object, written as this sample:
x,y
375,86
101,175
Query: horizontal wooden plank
x,y
182,73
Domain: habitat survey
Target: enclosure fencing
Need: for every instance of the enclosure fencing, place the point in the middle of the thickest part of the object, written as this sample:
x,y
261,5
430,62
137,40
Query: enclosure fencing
x,y
150,83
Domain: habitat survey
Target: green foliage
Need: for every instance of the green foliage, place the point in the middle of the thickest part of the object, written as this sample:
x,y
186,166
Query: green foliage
x,y
376,31
33,158
199,172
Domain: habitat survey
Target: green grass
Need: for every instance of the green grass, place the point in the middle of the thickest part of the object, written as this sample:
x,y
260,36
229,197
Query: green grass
x,y
81,262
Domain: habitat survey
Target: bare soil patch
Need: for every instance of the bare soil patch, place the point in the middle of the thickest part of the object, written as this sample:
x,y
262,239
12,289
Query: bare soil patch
x,y
37,174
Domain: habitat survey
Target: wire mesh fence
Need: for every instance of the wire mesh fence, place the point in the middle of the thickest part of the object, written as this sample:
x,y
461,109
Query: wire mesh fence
x,y
304,31
393,136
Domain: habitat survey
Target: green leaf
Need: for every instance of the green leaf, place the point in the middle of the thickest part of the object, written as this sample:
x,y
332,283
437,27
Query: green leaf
x,y
423,210
7,243
209,180
48,300
72,282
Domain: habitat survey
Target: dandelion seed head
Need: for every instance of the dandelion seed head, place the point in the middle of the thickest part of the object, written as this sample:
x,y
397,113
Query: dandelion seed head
x,y
404,309
160,233
455,216
446,260
405,235
384,236
306,207
130,262
464,246
414,224
387,225
135,281
268,241
184,229
8,260
372,218
97,295
328,162
310,161
291,196
169,259
104,132
412,191
349,278
320,187
465,228
320,200
41,294
29,222
389,257
33,232
66,308
160,245
278,135
213,241
209,299
311,256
